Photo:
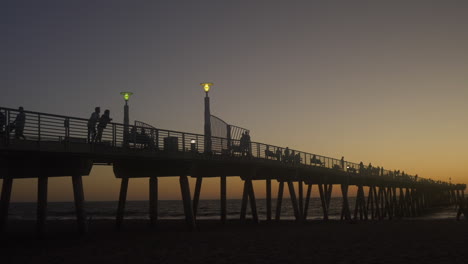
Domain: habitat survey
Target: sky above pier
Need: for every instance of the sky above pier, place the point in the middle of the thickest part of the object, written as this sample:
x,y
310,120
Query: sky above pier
x,y
373,81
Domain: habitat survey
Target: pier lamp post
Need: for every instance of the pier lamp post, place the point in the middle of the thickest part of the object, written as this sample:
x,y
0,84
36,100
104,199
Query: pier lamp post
x,y
126,96
207,87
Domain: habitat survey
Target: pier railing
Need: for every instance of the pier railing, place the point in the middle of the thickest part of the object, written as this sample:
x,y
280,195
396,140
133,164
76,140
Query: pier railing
x,y
41,127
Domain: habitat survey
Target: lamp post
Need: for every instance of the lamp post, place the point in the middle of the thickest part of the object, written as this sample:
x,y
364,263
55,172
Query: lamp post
x,y
126,96
207,87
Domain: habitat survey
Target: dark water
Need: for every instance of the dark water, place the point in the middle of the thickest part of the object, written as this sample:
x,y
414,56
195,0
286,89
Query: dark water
x,y
171,209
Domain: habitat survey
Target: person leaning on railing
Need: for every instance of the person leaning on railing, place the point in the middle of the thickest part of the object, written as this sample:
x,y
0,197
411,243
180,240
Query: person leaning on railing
x,y
19,123
92,124
103,121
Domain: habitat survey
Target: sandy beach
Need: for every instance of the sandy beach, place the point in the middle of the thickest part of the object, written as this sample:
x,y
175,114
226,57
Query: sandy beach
x,y
408,241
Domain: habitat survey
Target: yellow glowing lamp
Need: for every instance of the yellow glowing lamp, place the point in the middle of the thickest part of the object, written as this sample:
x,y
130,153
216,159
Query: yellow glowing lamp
x,y
126,95
206,86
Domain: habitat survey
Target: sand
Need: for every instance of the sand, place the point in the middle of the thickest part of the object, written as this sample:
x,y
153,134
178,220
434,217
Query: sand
x,y
396,241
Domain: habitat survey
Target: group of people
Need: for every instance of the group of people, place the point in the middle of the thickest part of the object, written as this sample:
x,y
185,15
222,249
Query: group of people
x,y
99,122
291,156
17,125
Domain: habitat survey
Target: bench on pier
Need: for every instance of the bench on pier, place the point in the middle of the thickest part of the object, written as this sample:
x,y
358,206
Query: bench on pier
x,y
272,154
315,161
238,149
142,139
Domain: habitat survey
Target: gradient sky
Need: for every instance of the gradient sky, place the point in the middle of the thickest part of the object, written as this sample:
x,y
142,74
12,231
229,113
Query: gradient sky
x,y
373,81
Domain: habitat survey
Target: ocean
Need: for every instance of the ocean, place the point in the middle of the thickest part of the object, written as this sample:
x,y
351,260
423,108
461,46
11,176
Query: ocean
x,y
207,209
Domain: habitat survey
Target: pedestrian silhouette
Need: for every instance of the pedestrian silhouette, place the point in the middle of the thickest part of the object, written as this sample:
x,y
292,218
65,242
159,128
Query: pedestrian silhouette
x,y
278,154
247,143
286,154
342,162
103,121
92,124
361,168
19,123
242,144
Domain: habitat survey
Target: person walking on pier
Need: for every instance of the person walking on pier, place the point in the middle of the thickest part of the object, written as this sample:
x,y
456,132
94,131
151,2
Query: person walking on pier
x,y
92,124
342,163
103,121
19,123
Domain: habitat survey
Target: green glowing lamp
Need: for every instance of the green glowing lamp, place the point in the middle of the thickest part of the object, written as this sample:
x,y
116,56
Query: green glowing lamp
x,y
206,86
126,95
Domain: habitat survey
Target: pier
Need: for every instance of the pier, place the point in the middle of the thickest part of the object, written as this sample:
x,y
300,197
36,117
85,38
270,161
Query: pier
x,y
57,146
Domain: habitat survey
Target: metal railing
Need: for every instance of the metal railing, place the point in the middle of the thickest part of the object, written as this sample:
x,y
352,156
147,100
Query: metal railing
x,y
43,127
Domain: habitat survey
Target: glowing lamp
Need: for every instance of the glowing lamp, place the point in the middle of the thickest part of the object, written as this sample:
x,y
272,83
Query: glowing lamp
x,y
192,141
126,95
206,86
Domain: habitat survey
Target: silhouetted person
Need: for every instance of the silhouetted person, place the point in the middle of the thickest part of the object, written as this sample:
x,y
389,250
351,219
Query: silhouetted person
x,y
242,143
278,154
247,143
361,167
342,163
2,122
19,123
103,121
92,124
297,158
286,154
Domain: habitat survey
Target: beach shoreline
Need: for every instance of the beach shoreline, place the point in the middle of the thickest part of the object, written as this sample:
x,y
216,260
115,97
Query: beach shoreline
x,y
394,241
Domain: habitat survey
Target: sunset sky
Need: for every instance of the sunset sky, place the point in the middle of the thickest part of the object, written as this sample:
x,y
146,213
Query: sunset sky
x,y
373,81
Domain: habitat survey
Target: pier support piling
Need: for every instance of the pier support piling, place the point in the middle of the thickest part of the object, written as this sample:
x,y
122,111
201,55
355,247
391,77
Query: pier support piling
x,y
324,202
196,195
301,197
42,185
187,201
78,194
223,199
307,201
153,201
5,201
268,199
122,200
245,197
279,200
345,212
253,202
292,194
